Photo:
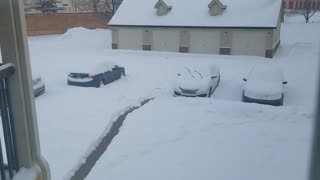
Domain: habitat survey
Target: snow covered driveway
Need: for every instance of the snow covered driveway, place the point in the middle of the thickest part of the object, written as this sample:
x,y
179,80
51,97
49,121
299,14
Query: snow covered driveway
x,y
186,138
72,119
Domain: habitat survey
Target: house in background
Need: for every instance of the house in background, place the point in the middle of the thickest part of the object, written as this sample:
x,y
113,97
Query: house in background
x,y
300,4
66,6
228,27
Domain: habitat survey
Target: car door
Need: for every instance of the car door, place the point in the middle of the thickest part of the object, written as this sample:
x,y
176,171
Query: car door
x,y
108,77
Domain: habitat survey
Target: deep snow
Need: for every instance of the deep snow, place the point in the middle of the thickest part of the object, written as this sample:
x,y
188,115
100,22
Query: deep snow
x,y
196,138
72,119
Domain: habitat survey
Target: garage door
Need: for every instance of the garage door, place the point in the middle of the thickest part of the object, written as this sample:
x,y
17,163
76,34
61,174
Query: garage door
x,y
166,40
248,43
130,39
205,42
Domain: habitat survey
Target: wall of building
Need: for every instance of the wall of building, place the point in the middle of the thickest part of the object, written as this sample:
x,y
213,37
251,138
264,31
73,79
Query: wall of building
x,y
276,33
59,23
196,40
299,4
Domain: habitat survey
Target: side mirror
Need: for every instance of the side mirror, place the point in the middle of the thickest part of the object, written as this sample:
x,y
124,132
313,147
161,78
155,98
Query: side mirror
x,y
285,82
213,77
245,79
178,74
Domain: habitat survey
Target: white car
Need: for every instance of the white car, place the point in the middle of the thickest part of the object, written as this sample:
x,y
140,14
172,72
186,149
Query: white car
x,y
193,83
264,85
38,85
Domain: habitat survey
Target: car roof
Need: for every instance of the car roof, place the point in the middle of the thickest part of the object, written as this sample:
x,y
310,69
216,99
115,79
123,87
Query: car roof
x,y
94,68
266,71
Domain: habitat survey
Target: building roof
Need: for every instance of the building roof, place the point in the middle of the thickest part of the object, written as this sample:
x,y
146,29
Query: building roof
x,y
195,13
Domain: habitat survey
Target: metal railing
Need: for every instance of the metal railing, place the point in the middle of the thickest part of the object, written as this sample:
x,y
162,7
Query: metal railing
x,y
8,149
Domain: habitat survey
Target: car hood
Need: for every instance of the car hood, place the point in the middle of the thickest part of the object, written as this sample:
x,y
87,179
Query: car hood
x,y
264,90
192,83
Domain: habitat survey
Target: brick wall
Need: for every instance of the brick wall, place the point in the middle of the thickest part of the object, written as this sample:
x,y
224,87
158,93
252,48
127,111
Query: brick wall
x,y
59,23
299,4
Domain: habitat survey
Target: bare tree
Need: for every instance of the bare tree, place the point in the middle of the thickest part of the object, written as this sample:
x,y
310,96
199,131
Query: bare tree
x,y
307,9
106,7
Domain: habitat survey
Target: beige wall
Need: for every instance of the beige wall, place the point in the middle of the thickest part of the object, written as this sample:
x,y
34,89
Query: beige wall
x,y
249,42
276,33
166,40
129,38
206,41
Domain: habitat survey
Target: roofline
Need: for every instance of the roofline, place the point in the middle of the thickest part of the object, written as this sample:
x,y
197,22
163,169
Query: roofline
x,y
195,27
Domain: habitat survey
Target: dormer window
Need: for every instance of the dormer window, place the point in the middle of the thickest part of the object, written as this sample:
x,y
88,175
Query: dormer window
x,y
162,8
216,8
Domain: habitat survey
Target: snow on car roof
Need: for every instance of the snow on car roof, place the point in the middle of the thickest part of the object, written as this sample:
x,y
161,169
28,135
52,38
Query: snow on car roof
x,y
191,13
266,71
95,68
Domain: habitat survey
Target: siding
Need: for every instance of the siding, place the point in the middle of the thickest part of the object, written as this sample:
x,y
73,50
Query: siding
x,y
130,39
248,43
205,41
253,42
166,40
276,33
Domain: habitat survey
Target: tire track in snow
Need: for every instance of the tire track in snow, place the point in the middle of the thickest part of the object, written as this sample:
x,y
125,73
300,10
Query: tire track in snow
x,y
91,160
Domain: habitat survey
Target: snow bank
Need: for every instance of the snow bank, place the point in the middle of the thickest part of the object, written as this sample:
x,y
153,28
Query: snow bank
x,y
196,138
72,118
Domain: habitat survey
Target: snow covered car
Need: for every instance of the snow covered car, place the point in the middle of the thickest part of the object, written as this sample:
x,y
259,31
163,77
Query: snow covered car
x,y
193,83
103,74
38,85
264,85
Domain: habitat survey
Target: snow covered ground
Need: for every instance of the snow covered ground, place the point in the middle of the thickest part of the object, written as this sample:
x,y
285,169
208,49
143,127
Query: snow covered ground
x,y
187,138
72,119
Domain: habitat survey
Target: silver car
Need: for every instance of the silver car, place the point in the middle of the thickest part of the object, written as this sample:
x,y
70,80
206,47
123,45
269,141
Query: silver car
x,y
192,82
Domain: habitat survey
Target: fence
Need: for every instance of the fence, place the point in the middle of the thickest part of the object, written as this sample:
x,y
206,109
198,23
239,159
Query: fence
x,y
59,23
8,158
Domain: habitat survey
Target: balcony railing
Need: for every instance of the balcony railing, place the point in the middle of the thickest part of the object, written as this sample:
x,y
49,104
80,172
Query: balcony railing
x,y
8,149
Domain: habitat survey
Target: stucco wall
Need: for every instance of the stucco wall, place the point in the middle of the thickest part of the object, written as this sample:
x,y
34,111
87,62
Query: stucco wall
x,y
249,42
59,23
206,41
276,33
129,38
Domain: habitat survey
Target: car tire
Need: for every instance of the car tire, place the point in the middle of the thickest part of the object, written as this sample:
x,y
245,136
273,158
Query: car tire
x,y
99,83
282,100
210,92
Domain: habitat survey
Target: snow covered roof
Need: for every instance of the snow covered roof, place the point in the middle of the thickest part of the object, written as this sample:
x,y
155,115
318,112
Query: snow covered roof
x,y
191,13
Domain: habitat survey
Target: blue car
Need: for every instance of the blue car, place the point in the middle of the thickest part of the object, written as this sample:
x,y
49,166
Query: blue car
x,y
103,74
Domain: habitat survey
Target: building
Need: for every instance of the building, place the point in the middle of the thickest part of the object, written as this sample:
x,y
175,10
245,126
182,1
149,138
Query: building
x,y
228,27
64,6
300,4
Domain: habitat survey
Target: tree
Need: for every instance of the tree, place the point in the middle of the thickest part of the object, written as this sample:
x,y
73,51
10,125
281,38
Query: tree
x,y
307,9
106,7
